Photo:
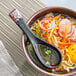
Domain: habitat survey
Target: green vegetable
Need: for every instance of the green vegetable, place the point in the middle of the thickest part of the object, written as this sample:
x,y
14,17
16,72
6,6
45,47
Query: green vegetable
x,y
37,35
35,30
47,63
47,52
47,33
42,31
74,23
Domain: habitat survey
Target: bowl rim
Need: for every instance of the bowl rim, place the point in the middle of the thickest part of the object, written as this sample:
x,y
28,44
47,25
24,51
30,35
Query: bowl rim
x,y
24,49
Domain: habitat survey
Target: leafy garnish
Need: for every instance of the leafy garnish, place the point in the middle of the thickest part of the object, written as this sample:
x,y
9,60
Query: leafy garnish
x,y
42,31
47,33
47,52
37,35
47,63
35,30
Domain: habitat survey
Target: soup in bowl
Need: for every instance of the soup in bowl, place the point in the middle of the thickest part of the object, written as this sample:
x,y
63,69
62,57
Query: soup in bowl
x,y
56,26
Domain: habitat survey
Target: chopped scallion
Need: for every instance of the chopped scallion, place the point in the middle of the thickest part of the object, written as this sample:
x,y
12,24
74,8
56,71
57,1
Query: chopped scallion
x,y
47,52
42,31
47,63
37,35
35,30
47,33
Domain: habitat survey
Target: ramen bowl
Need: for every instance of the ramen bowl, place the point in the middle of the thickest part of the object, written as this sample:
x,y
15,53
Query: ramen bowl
x,y
30,54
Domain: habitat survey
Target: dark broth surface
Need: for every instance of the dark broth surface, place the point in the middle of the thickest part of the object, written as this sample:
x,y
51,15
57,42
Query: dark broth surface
x,y
49,56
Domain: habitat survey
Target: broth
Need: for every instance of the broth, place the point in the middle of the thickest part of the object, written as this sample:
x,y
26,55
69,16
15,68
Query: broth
x,y
60,31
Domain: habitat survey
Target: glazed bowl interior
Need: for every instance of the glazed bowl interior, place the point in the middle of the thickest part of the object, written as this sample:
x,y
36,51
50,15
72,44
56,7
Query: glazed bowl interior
x,y
30,54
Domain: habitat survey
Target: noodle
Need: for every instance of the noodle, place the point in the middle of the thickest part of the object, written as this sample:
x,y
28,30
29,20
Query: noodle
x,y
52,32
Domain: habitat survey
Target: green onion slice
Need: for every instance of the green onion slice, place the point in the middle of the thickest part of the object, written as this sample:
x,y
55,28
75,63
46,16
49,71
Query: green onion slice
x,y
47,63
37,35
48,52
42,31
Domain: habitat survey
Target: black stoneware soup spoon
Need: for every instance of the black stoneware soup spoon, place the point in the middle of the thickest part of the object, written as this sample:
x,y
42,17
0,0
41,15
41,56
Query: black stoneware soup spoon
x,y
48,54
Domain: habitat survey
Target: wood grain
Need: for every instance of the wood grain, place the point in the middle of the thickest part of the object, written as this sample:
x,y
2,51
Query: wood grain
x,y
10,34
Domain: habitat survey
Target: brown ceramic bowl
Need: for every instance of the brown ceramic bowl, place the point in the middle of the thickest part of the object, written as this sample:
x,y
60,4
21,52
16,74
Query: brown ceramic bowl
x,y
30,55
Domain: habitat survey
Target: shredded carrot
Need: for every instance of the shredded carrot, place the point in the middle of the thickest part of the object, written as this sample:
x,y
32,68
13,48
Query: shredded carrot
x,y
60,47
54,29
39,34
56,17
46,25
51,33
47,38
63,43
38,27
65,35
64,38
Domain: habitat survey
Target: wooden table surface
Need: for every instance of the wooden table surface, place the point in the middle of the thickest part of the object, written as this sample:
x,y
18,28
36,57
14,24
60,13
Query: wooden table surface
x,y
10,34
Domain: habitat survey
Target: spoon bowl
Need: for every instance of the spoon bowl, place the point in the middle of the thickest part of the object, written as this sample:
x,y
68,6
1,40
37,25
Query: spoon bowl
x,y
54,58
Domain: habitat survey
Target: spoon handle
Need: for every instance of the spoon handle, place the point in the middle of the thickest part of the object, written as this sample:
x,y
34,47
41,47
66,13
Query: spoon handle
x,y
17,18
